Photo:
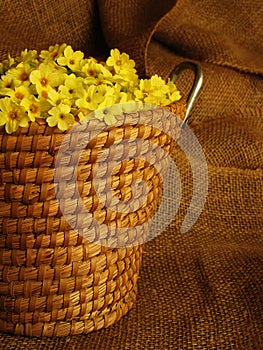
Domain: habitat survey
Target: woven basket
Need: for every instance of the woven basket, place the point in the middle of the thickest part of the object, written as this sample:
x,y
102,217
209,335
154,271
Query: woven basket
x,y
54,282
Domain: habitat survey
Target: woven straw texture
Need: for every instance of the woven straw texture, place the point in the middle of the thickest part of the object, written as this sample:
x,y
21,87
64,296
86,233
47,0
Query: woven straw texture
x,y
54,281
202,289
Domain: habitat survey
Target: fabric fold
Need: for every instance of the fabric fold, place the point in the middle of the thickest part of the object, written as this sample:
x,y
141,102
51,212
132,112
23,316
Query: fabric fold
x,y
225,34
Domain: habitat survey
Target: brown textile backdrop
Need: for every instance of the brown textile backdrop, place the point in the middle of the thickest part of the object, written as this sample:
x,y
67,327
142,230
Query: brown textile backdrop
x,y
202,289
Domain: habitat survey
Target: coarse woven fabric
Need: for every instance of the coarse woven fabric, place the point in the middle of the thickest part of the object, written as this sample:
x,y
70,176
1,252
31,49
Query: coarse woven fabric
x,y
38,24
202,289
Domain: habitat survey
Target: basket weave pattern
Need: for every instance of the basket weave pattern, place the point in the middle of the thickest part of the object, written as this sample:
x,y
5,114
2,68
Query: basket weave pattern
x,y
53,281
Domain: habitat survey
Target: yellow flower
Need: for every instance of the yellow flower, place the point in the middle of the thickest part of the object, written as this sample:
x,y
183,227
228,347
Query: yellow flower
x,y
96,73
46,77
82,114
53,52
71,58
12,115
34,107
108,113
55,98
6,64
110,96
60,116
132,106
122,94
93,96
29,56
122,64
119,61
154,91
19,93
155,83
21,74
174,94
109,119
10,61
73,86
6,83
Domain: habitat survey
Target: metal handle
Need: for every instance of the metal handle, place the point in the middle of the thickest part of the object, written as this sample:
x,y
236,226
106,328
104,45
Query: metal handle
x,y
198,81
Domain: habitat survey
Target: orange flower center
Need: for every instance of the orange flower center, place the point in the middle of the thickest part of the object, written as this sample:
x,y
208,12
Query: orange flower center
x,y
8,84
44,94
12,114
92,72
24,76
33,108
19,95
54,54
72,61
118,63
44,81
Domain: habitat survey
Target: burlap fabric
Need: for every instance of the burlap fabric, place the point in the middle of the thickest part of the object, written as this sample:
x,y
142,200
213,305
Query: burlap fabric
x,y
202,289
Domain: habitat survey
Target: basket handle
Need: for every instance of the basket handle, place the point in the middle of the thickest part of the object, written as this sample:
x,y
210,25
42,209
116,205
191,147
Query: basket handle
x,y
197,84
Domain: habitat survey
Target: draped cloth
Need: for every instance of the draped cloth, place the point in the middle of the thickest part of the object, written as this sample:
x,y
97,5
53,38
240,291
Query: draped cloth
x,y
202,289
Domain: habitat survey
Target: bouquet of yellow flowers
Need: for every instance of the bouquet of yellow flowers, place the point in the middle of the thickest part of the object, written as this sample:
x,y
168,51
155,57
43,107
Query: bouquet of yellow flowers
x,y
61,86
